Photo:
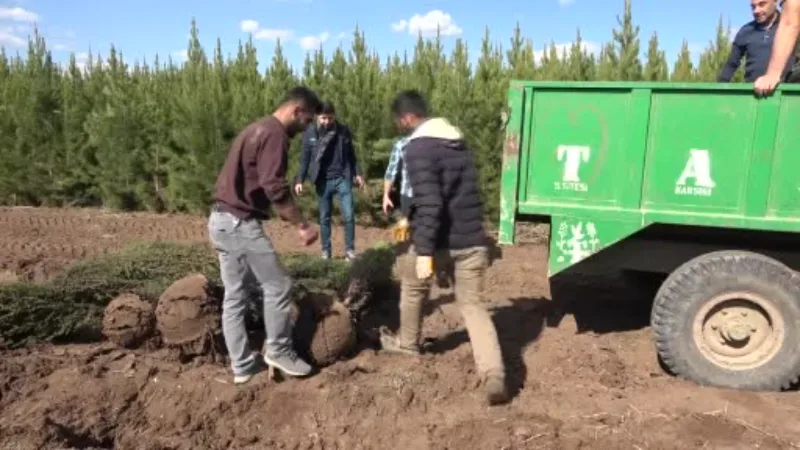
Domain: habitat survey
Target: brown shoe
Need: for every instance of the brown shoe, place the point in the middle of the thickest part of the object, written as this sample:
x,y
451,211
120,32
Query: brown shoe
x,y
496,392
391,344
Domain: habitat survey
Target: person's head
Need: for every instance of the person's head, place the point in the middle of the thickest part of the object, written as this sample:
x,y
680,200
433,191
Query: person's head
x,y
297,109
409,109
763,10
326,116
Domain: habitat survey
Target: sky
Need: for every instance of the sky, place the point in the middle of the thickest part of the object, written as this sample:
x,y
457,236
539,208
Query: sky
x,y
143,28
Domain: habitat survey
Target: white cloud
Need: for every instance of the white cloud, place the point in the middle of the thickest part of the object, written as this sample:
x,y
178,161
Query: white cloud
x,y
60,47
265,34
10,39
181,55
312,42
249,26
427,24
592,48
341,36
272,34
564,3
18,14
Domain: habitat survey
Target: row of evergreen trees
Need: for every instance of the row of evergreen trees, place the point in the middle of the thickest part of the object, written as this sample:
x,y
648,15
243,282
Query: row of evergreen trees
x,y
152,136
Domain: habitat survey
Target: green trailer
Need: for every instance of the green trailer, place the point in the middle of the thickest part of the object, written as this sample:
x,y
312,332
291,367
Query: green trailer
x,y
699,182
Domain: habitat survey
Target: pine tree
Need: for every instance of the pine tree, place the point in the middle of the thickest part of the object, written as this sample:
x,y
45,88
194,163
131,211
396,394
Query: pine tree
x,y
580,65
713,59
608,63
684,69
279,78
152,134
485,135
656,68
627,41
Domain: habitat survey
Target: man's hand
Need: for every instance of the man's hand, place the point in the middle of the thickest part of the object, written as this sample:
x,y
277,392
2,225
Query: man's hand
x,y
308,234
298,188
766,84
360,181
387,204
424,267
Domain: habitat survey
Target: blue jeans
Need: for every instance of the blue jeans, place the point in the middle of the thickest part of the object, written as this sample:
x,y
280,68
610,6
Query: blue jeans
x,y
342,188
246,255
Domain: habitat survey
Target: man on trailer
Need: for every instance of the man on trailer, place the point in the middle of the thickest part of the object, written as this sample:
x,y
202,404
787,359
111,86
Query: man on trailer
x,y
446,230
754,43
783,48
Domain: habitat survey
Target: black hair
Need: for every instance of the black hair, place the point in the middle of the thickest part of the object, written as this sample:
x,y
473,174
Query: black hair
x,y
327,108
410,102
305,97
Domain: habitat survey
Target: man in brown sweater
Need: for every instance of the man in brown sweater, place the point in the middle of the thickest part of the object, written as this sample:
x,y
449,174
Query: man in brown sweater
x,y
253,179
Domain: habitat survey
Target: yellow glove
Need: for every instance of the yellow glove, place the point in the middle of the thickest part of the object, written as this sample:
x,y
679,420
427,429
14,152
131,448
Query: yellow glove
x,y
400,231
424,267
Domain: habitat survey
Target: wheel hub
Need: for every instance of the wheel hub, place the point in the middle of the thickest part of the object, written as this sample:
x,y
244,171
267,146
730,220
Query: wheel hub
x,y
738,330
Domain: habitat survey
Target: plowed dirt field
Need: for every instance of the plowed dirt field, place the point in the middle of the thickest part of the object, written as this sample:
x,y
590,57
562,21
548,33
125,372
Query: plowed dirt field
x,y
581,364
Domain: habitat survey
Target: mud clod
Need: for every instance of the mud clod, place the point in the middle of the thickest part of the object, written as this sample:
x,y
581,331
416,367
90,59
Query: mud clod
x,y
188,315
129,321
324,330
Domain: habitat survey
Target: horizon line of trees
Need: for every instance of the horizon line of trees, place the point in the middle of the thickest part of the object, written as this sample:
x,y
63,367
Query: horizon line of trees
x,y
153,136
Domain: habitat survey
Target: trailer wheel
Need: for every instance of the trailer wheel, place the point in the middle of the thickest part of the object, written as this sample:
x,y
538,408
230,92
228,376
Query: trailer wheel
x,y
730,319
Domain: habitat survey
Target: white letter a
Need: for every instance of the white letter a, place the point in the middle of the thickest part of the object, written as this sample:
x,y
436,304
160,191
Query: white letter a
x,y
697,167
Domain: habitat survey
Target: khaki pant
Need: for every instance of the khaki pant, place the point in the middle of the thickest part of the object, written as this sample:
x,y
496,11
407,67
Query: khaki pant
x,y
468,269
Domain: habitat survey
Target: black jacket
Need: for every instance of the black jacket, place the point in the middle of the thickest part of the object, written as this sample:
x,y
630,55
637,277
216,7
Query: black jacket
x,y
447,211
314,149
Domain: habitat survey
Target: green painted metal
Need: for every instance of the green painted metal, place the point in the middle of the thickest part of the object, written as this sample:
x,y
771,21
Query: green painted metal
x,y
605,160
574,239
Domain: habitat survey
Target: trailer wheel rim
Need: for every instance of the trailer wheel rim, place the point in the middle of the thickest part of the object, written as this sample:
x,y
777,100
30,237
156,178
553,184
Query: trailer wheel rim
x,y
738,330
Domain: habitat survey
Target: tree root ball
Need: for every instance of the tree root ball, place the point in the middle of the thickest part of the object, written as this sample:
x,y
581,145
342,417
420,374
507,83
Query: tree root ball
x,y
188,315
324,331
128,321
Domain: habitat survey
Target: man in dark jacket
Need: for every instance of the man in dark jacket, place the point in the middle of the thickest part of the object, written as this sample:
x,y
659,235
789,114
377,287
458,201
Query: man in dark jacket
x,y
754,43
447,230
329,155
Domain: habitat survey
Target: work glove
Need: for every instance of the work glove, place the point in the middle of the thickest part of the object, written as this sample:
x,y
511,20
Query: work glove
x,y
400,231
424,267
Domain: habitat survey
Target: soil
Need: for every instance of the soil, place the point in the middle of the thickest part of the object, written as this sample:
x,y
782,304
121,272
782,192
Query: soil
x,y
128,321
580,361
188,316
324,331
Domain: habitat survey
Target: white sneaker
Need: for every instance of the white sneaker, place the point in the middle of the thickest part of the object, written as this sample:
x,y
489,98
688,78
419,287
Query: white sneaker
x,y
289,363
243,378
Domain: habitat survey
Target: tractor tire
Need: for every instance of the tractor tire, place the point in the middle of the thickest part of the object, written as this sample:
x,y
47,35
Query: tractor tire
x,y
730,319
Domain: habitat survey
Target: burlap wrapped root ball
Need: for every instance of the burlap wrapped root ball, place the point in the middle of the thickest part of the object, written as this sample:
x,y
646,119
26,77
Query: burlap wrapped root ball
x,y
188,316
323,329
128,321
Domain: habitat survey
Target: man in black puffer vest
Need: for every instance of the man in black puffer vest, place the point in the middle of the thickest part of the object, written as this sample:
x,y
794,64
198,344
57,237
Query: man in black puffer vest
x,y
446,230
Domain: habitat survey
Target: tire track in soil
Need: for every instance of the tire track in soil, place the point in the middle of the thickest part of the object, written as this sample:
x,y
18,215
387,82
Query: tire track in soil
x,y
582,366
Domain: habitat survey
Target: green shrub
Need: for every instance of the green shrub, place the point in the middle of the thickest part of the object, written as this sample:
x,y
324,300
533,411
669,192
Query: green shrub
x,y
70,307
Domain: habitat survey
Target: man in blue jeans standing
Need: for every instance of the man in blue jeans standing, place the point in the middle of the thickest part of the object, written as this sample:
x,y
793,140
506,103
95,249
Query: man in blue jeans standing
x,y
253,181
329,161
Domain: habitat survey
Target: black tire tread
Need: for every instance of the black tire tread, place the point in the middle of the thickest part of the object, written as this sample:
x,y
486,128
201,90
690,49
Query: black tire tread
x,y
669,309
